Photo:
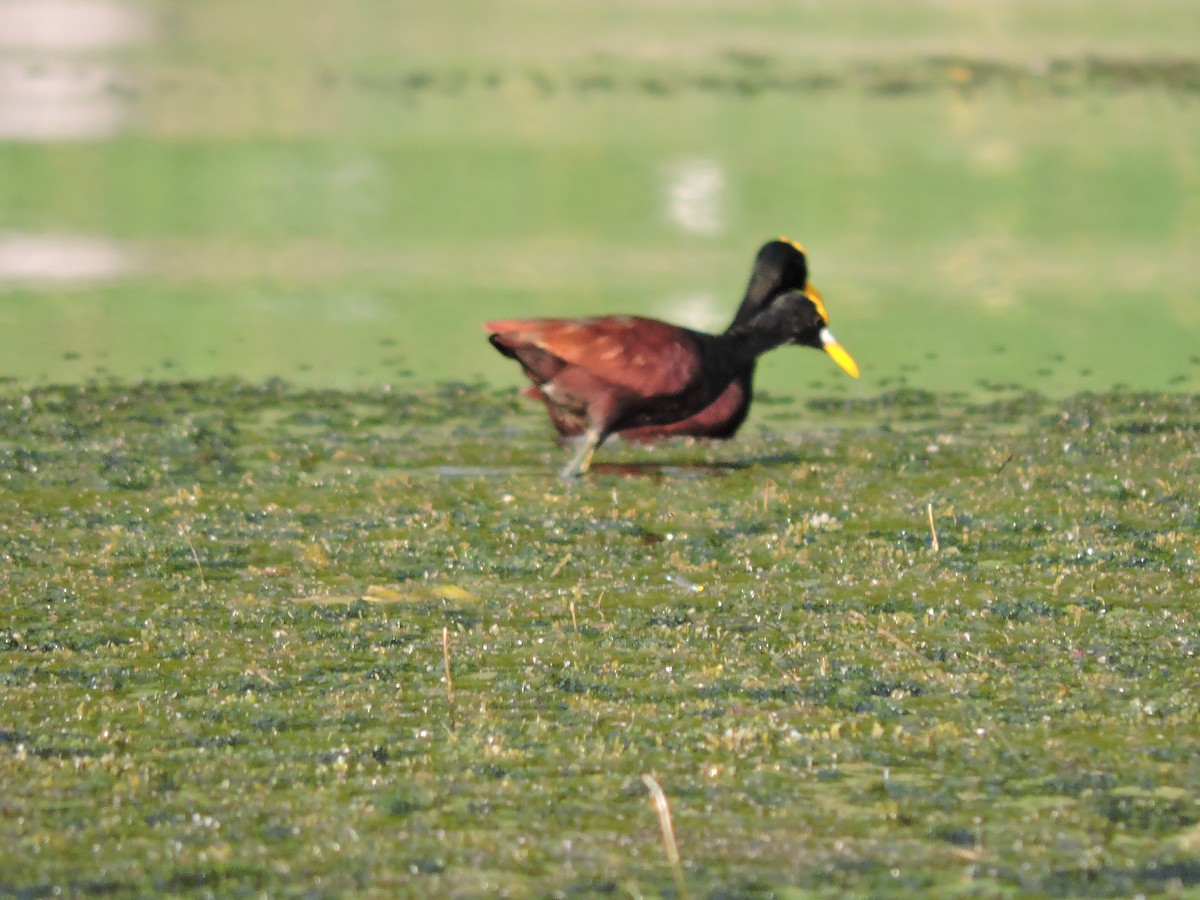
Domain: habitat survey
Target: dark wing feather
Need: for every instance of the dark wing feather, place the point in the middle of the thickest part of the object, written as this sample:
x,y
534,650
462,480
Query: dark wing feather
x,y
644,356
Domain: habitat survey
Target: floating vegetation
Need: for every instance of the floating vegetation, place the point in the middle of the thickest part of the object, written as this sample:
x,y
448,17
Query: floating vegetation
x,y
257,638
737,75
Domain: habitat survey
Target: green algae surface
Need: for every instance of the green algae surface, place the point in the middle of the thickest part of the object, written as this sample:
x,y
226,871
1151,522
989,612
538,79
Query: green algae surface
x,y
263,640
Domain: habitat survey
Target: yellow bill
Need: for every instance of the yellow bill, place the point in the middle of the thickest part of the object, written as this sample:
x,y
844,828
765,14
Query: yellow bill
x,y
838,352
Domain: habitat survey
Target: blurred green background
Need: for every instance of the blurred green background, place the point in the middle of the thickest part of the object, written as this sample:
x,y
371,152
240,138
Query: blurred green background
x,y
339,193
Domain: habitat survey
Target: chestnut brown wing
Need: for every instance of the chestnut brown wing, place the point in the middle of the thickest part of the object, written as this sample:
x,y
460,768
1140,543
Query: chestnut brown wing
x,y
645,356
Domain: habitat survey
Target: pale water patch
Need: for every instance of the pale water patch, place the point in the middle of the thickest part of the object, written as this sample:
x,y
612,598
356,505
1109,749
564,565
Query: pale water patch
x,y
700,311
996,156
696,191
47,92
71,26
356,309
59,101
32,260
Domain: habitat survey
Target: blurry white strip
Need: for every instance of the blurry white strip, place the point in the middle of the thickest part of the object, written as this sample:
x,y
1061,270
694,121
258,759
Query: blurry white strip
x,y
699,311
58,101
68,26
696,196
30,260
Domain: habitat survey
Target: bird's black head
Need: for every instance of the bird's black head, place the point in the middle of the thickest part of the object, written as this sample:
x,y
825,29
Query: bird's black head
x,y
793,317
798,317
780,266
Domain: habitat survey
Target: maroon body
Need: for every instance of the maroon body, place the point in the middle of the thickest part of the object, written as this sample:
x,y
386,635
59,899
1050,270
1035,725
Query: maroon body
x,y
628,371
645,379
720,420
779,266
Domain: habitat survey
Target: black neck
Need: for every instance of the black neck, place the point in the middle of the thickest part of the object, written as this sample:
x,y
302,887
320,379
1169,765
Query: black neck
x,y
745,341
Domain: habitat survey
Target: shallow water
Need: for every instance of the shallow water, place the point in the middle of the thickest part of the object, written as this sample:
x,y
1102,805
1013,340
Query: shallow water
x,y
342,204
254,641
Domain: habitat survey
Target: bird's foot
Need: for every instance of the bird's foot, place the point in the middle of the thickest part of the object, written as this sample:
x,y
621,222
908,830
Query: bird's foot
x,y
581,461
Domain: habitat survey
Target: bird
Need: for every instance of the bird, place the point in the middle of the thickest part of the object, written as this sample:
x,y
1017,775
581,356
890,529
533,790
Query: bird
x,y
646,379
779,265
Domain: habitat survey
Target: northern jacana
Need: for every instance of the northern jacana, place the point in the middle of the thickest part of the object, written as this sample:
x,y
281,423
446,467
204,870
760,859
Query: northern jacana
x,y
780,266
648,379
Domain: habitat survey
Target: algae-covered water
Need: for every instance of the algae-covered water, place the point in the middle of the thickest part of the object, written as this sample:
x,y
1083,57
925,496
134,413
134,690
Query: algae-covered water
x,y
292,602
262,640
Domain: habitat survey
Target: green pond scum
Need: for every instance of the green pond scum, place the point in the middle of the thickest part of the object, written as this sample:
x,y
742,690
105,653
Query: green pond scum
x,y
264,640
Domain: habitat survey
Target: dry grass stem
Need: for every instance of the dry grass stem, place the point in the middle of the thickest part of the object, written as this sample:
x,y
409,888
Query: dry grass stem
x,y
183,533
667,828
561,563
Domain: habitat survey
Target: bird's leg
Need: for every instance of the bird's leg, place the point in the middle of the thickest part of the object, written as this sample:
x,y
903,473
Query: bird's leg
x,y
592,438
